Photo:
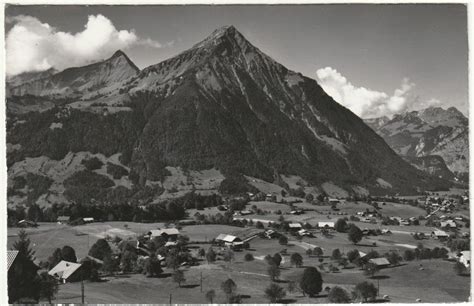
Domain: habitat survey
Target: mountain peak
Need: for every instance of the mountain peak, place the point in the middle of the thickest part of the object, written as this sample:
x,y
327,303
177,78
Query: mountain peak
x,y
223,34
121,54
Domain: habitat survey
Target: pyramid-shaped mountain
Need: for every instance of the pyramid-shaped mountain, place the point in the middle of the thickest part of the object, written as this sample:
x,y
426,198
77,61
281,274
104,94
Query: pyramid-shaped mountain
x,y
225,104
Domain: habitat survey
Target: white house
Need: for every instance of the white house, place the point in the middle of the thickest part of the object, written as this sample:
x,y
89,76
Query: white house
x,y
66,271
327,225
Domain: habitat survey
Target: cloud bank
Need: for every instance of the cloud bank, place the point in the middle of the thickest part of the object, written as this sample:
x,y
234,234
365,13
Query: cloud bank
x,y
35,46
367,103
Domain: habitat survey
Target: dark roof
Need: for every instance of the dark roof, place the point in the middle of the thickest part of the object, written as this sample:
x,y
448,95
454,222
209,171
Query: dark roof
x,y
11,256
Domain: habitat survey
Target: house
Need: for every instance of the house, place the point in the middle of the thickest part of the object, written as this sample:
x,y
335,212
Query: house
x,y
270,234
438,234
295,226
66,271
386,231
63,219
380,262
326,225
465,258
166,233
297,212
448,224
362,254
303,232
245,212
26,223
333,201
231,241
88,220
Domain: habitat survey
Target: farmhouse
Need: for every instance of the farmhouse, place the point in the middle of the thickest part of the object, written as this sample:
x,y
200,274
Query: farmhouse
x,y
270,234
438,234
333,201
63,219
380,262
448,224
326,225
166,233
294,226
66,271
88,220
231,241
303,232
26,223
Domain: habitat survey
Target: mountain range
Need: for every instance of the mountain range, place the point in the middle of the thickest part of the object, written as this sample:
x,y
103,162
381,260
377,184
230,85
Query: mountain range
x,y
222,104
433,139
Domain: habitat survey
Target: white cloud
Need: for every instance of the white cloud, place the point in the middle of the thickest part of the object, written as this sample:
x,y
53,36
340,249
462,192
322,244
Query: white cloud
x,y
33,46
367,103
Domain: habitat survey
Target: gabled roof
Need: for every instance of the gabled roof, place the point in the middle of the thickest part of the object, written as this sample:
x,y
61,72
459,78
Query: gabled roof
x,y
382,261
63,218
440,233
64,269
324,224
294,225
167,231
227,238
11,256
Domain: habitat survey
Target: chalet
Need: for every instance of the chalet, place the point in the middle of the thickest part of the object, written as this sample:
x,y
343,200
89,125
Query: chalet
x,y
294,227
465,258
26,223
297,212
303,232
63,219
448,224
88,220
380,262
66,271
245,212
270,234
231,241
440,235
166,233
333,201
326,225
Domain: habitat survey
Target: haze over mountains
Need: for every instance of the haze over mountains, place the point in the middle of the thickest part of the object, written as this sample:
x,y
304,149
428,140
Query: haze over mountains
x,y
222,105
434,139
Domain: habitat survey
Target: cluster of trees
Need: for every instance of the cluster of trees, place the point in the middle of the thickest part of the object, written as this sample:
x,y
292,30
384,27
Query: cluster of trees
x,y
116,211
36,186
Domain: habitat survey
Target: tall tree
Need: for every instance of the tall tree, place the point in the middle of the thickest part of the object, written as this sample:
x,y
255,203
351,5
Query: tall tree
x,y
100,249
354,234
22,245
229,287
311,282
296,259
68,254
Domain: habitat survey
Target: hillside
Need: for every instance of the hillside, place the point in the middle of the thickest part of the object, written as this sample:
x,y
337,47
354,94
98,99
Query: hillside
x,y
223,104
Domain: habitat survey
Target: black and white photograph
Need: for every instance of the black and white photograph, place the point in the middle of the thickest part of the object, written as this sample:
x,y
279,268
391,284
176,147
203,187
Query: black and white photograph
x,y
265,153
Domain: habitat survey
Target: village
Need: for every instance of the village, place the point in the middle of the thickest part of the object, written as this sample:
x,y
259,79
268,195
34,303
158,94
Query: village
x,y
258,248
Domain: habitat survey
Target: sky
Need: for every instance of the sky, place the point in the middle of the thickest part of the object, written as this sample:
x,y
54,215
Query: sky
x,y
375,59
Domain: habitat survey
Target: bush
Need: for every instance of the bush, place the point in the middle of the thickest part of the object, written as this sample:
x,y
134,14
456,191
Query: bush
x,y
283,240
248,257
274,293
338,295
365,291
